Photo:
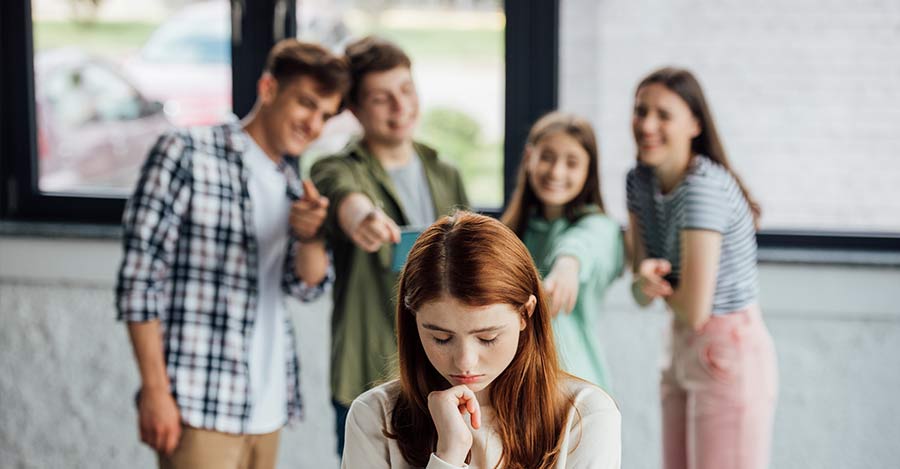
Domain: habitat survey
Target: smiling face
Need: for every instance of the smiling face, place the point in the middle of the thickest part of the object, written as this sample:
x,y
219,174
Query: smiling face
x,y
293,113
470,345
388,107
557,169
663,126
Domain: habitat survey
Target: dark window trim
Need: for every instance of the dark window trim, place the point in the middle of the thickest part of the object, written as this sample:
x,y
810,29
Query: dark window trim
x,y
19,198
532,76
532,67
835,241
258,35
18,175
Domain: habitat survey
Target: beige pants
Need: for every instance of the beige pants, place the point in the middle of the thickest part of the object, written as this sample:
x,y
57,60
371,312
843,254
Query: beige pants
x,y
206,449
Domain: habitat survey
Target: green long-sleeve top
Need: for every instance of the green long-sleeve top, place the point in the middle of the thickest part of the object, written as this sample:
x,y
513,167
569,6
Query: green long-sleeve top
x,y
363,346
596,241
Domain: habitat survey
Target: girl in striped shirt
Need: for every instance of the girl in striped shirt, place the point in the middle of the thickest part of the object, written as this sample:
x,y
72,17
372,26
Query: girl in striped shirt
x,y
692,226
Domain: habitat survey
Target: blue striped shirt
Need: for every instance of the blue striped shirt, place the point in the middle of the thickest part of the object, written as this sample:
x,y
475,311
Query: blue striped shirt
x,y
708,198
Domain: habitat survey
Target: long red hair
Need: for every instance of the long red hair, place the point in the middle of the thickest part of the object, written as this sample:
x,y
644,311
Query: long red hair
x,y
479,261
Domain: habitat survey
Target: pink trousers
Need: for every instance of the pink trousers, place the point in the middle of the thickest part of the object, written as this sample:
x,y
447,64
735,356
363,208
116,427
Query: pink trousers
x,y
718,390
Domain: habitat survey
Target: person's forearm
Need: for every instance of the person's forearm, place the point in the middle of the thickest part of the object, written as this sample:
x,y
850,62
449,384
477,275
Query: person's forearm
x,y
146,342
691,313
311,262
566,263
354,208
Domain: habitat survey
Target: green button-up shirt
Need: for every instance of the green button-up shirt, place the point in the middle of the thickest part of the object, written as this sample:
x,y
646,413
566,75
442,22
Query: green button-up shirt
x,y
364,348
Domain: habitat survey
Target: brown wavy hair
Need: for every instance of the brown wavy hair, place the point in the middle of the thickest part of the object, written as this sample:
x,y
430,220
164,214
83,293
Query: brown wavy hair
x,y
524,201
369,55
479,261
683,83
290,59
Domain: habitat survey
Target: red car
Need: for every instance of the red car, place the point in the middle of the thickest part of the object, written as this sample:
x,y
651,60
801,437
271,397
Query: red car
x,y
186,61
186,64
93,127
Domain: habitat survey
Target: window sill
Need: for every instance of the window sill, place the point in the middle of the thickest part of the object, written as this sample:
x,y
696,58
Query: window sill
x,y
59,230
767,255
832,257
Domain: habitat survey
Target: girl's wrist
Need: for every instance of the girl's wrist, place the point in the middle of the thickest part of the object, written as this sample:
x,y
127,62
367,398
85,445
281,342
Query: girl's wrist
x,y
567,261
455,456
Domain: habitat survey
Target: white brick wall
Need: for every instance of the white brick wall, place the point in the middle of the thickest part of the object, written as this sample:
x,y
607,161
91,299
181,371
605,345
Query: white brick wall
x,y
806,95
68,373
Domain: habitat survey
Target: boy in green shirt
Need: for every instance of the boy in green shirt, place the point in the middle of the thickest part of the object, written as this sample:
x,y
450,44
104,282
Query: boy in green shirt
x,y
376,185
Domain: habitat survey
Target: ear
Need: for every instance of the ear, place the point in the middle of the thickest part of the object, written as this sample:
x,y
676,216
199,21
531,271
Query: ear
x,y
527,311
267,88
528,153
696,128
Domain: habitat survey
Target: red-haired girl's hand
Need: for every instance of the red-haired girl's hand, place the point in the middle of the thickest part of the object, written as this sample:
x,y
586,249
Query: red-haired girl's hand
x,y
448,410
649,278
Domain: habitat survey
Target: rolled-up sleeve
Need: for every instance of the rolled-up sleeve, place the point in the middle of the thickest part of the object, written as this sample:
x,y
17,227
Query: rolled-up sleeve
x,y
334,179
151,223
294,286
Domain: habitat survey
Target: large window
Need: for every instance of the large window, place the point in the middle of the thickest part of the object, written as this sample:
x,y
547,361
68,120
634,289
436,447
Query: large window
x,y
457,51
97,80
800,94
110,76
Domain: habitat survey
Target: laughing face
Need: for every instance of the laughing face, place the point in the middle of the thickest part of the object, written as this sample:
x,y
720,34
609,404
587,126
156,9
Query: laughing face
x,y
295,112
557,169
388,108
663,125
470,345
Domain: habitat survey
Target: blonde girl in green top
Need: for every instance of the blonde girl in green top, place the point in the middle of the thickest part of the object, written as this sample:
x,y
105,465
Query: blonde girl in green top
x,y
557,211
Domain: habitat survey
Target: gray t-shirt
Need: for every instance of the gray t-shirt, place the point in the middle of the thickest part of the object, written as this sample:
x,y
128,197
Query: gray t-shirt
x,y
708,198
414,193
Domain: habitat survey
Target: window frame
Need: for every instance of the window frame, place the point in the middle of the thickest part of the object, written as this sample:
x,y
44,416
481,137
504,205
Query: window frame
x,y
20,198
532,78
532,87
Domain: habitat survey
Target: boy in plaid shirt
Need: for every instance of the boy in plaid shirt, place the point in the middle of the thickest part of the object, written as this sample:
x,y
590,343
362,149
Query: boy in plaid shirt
x,y
218,230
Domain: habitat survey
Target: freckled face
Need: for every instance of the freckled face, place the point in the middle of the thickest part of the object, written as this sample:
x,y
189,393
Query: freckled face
x,y
469,345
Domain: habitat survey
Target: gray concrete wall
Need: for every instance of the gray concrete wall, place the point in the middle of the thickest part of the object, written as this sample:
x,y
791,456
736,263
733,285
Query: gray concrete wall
x,y
66,389
68,381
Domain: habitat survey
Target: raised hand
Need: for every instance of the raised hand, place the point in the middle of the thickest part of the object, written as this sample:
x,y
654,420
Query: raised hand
x,y
309,212
650,281
373,230
449,410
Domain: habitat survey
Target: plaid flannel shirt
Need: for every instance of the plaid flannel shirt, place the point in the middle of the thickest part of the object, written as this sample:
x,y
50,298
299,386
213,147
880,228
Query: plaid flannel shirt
x,y
190,260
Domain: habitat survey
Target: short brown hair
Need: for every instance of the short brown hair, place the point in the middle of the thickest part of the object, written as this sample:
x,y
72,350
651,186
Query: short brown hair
x,y
372,54
290,59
